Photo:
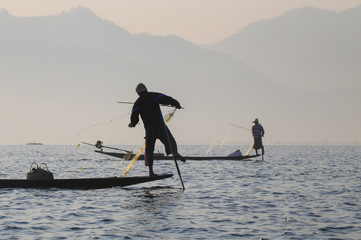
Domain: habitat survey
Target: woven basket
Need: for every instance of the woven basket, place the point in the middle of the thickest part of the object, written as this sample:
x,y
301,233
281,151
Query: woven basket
x,y
38,173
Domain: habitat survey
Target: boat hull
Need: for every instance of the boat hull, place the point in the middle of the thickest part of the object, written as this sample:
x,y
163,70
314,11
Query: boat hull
x,y
164,157
79,183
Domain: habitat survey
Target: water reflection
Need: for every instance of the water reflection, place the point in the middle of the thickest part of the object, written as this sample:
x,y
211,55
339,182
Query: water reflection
x,y
299,192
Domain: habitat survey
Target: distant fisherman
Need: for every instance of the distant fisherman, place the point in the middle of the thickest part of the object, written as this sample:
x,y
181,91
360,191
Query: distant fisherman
x,y
258,133
147,106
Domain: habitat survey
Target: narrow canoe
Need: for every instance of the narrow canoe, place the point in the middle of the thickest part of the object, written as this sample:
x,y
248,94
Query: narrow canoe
x,y
79,183
158,156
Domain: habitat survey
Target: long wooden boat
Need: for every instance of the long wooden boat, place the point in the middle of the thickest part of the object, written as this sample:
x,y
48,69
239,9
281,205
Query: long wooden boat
x,y
158,156
79,183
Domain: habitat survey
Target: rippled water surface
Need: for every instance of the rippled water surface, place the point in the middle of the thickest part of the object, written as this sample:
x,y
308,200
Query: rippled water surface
x,y
298,192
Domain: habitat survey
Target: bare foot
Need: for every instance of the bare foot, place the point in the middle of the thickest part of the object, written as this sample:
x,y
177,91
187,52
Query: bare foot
x,y
153,175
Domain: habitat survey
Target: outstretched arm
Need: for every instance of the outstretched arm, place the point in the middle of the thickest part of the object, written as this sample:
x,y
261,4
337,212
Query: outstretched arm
x,y
134,118
166,100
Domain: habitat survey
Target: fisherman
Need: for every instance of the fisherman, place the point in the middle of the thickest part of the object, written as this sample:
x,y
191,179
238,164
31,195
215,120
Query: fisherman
x,y
147,106
258,133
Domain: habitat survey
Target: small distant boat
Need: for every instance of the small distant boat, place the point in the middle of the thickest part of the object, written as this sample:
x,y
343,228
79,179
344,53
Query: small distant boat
x,y
80,183
160,156
129,155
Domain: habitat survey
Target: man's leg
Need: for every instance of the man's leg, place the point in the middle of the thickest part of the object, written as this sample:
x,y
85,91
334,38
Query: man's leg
x,y
170,144
149,149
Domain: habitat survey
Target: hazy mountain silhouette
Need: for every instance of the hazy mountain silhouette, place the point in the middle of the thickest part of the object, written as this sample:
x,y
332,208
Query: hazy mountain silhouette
x,y
62,73
308,48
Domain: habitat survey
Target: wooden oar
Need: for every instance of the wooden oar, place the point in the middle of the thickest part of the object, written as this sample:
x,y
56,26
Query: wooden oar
x,y
171,149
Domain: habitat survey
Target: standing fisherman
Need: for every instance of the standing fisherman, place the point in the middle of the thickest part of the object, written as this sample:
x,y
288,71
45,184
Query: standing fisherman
x,y
147,106
258,133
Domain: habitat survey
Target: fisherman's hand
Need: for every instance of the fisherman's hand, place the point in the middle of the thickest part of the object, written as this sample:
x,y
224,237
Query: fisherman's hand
x,y
131,125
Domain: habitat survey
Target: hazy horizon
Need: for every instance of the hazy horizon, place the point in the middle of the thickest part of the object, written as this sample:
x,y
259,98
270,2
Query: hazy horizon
x,y
62,75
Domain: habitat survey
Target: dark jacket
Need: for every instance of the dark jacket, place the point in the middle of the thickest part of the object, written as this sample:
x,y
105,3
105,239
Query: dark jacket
x,y
147,106
257,131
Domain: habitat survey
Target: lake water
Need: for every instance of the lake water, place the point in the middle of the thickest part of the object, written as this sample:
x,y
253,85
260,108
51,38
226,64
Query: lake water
x,y
298,192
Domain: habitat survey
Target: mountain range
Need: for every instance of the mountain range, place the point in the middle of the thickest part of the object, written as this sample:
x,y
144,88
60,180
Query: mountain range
x,y
62,73
305,48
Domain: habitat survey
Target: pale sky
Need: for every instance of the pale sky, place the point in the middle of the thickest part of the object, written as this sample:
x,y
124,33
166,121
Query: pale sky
x,y
198,21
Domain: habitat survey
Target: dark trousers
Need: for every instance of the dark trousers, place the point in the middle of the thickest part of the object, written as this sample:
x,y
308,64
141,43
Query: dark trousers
x,y
257,143
158,132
